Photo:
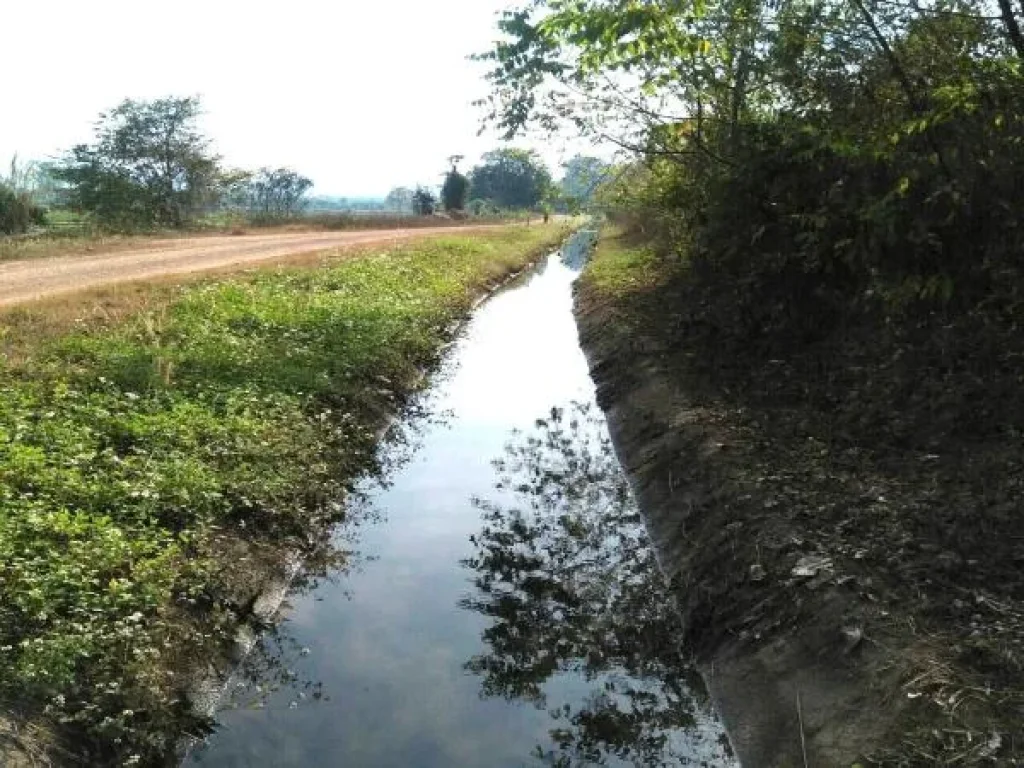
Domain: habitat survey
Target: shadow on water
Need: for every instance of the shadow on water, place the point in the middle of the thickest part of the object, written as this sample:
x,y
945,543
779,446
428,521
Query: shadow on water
x,y
566,575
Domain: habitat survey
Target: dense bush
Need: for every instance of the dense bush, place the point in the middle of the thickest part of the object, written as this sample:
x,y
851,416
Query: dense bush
x,y
424,202
454,191
811,163
18,212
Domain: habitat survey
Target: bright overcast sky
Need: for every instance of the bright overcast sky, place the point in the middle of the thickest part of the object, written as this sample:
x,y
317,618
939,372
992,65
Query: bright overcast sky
x,y
359,95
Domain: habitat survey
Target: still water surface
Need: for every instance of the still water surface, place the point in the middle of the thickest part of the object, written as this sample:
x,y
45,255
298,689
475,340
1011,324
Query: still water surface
x,y
501,606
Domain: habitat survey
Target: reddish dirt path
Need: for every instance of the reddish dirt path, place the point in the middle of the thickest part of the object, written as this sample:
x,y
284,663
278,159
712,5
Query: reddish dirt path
x,y
22,281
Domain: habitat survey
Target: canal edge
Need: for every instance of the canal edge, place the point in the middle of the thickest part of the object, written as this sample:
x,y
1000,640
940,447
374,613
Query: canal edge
x,y
207,692
762,693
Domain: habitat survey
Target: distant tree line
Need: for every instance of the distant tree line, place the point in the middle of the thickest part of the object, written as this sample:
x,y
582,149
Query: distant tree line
x,y
148,167
269,194
506,179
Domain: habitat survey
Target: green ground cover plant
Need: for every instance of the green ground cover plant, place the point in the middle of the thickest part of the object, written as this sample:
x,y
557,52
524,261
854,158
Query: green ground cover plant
x,y
149,464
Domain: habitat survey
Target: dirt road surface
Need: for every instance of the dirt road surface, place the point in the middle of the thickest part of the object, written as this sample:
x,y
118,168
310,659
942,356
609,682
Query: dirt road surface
x,y
22,281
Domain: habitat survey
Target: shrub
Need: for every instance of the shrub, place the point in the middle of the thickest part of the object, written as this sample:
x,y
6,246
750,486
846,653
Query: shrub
x,y
454,191
423,202
18,212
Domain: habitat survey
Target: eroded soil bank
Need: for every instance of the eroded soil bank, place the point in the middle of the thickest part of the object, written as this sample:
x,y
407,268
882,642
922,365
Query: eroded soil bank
x,y
809,580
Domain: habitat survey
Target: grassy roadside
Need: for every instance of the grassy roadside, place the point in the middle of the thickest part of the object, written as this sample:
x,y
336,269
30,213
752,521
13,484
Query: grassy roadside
x,y
88,241
46,245
889,563
153,460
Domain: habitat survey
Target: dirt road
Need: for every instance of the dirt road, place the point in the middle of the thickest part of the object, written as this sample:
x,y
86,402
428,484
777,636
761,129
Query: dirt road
x,y
22,281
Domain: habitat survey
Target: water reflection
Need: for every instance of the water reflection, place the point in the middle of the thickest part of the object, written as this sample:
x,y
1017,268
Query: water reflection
x,y
271,669
330,556
576,251
564,572
277,667
367,666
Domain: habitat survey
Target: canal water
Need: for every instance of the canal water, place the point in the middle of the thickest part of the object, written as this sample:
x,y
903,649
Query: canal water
x,y
499,605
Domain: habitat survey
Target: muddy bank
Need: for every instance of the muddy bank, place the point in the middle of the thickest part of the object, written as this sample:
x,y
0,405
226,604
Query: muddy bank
x,y
776,628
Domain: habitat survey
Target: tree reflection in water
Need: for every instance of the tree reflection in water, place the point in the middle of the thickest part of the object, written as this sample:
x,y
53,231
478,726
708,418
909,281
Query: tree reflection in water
x,y
564,570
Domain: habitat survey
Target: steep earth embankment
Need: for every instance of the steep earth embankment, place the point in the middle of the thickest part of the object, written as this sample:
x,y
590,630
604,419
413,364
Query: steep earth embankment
x,y
680,456
831,617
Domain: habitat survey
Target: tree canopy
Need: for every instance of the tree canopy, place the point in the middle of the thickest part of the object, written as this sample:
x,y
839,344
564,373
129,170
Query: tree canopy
x,y
148,166
511,178
399,199
276,193
876,138
455,188
583,175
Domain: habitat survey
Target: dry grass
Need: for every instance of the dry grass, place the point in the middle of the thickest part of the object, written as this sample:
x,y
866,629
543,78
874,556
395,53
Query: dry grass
x,y
28,745
962,717
44,246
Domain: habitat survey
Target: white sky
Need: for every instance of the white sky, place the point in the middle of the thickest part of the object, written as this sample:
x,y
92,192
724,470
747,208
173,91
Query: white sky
x,y
359,95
